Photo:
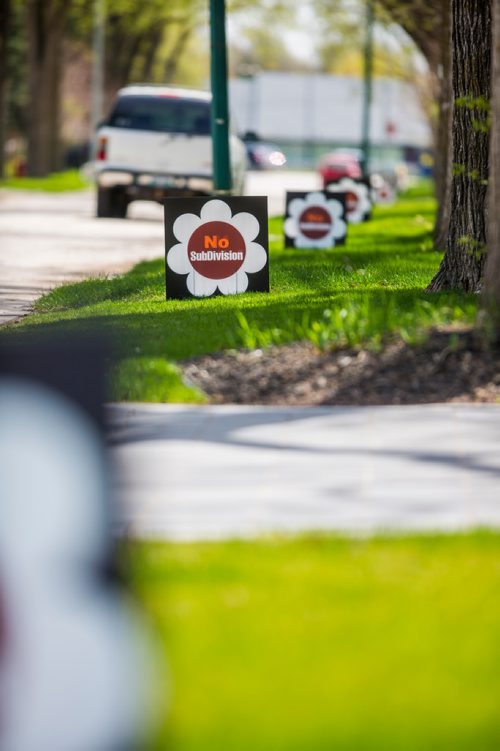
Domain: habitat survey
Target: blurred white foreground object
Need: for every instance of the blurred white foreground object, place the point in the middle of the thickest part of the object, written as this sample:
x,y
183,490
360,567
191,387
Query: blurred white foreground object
x,y
73,662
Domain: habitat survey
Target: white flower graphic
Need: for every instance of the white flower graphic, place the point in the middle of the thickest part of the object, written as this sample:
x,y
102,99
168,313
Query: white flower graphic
x,y
315,221
358,204
216,250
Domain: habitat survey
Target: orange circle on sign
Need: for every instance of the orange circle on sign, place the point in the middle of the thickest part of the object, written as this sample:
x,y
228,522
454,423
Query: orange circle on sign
x,y
315,222
216,250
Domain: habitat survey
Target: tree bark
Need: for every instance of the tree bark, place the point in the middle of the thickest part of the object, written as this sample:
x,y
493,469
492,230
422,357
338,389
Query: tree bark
x,y
491,299
443,142
152,44
173,58
45,20
463,262
122,47
5,12
429,25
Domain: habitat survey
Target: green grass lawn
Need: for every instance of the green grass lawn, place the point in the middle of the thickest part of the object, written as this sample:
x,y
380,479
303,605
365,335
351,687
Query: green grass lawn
x,y
55,183
321,643
354,294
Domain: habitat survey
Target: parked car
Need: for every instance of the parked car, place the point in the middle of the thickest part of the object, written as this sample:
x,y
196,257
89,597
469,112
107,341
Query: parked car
x,y
156,143
338,164
263,155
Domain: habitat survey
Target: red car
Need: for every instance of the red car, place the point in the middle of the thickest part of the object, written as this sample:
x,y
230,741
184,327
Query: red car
x,y
336,165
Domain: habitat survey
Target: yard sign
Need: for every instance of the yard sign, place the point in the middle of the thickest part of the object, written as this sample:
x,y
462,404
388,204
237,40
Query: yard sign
x,y
216,246
358,199
315,220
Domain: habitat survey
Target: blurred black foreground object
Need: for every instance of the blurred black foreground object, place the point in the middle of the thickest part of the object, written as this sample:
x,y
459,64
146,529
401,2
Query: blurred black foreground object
x,y
73,368
74,656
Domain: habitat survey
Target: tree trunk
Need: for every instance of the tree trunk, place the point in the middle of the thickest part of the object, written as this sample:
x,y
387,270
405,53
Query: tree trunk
x,y
175,53
443,143
154,39
4,37
45,35
123,44
463,262
491,298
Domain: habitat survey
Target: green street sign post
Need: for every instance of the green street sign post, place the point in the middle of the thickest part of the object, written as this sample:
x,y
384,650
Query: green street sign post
x,y
367,87
220,110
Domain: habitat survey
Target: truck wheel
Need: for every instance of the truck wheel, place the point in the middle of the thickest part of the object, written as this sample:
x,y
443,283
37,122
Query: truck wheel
x,y
103,208
111,203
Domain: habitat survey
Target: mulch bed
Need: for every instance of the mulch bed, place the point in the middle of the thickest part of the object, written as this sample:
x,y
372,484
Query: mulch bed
x,y
450,366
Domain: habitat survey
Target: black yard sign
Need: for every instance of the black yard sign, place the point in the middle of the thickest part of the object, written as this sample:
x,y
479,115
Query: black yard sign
x,y
216,246
315,220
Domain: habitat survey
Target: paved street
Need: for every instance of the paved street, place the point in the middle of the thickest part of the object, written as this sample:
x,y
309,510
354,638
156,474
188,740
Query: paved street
x,y
48,239
194,473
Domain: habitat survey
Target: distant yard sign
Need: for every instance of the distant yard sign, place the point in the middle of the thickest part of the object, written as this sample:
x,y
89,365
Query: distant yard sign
x,y
216,246
358,201
315,220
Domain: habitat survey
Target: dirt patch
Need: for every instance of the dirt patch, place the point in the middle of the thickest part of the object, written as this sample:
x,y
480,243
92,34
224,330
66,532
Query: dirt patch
x,y
450,366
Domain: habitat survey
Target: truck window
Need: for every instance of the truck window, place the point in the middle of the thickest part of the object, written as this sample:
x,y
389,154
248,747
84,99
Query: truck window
x,y
161,114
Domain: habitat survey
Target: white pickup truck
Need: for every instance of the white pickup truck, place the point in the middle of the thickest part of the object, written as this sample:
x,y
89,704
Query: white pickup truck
x,y
156,143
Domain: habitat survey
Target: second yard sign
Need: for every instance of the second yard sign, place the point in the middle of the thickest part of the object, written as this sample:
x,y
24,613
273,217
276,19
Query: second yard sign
x,y
315,220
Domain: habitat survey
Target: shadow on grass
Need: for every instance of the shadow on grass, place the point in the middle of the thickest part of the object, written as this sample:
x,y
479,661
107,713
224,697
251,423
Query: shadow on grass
x,y
302,267
145,280
181,329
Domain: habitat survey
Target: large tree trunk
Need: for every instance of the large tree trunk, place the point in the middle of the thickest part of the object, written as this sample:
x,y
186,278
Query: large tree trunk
x,y
45,35
5,8
443,143
463,262
492,270
429,25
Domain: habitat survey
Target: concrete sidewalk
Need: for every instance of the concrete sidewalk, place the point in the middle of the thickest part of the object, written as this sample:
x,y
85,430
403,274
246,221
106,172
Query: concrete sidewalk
x,y
194,473
52,239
